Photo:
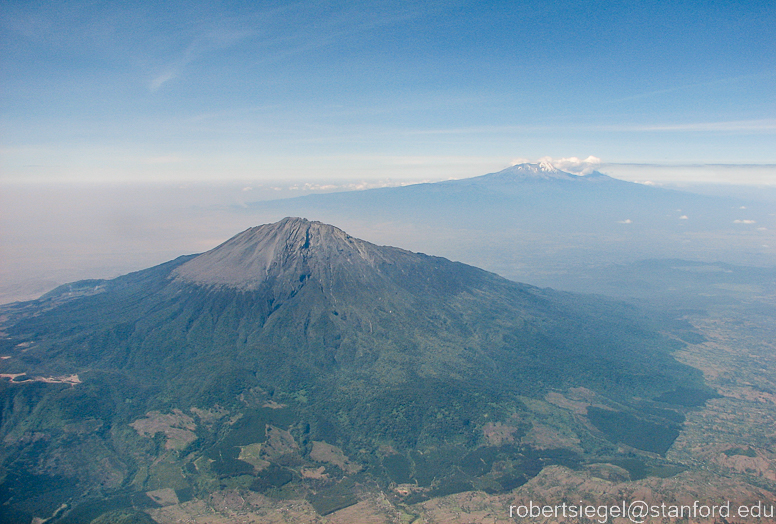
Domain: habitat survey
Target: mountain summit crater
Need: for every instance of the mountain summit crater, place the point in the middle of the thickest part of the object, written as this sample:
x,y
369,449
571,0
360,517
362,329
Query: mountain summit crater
x,y
262,253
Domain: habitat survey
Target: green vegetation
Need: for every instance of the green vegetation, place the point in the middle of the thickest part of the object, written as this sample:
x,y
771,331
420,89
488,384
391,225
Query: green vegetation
x,y
334,497
689,397
124,505
124,516
272,477
402,366
748,452
639,469
629,429
398,468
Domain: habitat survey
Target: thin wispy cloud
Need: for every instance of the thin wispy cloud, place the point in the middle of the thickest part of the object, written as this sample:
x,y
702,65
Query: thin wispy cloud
x,y
731,126
229,114
166,159
211,41
486,129
755,126
163,78
720,81
275,39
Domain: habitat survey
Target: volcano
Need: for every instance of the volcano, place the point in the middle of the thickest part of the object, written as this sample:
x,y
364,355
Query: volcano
x,y
297,361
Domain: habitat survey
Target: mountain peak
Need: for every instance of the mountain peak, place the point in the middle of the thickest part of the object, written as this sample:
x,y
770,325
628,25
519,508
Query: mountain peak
x,y
259,253
540,171
365,346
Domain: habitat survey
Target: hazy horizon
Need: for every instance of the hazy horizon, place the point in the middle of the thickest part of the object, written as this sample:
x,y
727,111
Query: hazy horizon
x,y
52,234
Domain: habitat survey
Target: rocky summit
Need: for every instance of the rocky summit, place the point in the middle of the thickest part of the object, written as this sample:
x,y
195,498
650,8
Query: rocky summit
x,y
298,362
292,246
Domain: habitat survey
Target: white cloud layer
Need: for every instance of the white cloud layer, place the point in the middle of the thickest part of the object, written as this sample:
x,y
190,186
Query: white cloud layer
x,y
573,164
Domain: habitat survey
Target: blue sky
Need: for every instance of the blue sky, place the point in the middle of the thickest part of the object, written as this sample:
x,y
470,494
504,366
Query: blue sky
x,y
111,91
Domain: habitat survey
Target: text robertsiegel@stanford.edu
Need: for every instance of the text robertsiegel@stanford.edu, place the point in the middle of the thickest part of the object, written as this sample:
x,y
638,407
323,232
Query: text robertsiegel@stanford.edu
x,y
639,512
